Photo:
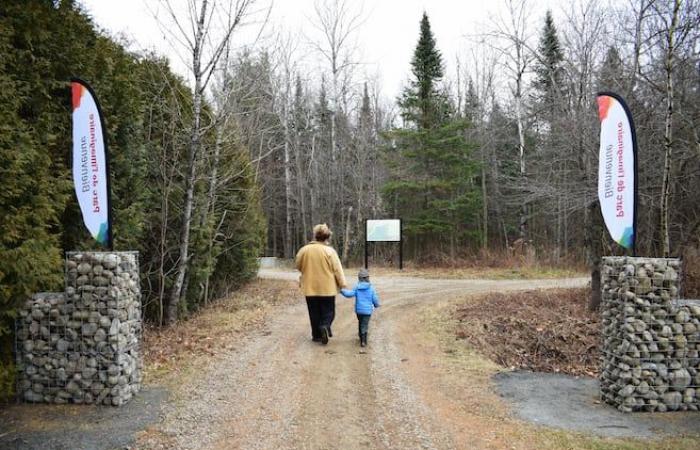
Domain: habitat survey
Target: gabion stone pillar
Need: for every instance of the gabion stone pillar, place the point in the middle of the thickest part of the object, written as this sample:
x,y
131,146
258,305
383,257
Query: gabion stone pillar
x,y
83,346
650,338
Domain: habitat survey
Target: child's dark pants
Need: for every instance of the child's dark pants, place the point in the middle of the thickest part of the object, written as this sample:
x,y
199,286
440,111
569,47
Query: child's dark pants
x,y
363,323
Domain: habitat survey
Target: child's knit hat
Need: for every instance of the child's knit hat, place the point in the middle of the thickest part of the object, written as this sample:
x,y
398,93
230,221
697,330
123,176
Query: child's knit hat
x,y
363,274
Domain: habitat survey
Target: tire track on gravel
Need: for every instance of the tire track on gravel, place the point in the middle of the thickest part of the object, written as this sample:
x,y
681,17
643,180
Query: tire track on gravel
x,y
279,390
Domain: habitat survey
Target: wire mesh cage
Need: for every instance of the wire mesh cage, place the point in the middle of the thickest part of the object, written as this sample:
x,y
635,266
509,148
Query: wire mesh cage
x,y
83,345
651,338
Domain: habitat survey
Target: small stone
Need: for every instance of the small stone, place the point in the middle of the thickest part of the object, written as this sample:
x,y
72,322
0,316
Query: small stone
x,y
672,400
88,329
643,388
114,328
88,373
33,397
670,274
689,395
680,341
84,268
627,391
680,379
100,335
110,261
94,317
682,316
62,345
72,387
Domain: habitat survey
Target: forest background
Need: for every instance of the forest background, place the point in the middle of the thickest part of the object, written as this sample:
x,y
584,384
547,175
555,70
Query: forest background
x,y
495,165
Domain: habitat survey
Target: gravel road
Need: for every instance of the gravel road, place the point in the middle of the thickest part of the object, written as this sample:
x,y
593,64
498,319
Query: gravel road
x,y
280,390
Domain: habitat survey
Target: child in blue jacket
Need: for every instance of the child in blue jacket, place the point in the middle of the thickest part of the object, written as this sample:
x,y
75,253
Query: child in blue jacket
x,y
366,300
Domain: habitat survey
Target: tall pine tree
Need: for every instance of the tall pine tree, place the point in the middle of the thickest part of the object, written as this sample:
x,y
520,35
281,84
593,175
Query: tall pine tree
x,y
431,183
548,70
423,103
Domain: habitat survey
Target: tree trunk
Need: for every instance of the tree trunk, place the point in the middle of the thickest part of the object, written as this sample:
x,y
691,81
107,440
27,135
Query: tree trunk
x,y
183,260
287,189
314,183
485,207
668,133
300,184
346,238
522,226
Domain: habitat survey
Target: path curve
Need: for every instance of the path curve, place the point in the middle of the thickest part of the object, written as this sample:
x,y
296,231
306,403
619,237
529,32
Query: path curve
x,y
279,390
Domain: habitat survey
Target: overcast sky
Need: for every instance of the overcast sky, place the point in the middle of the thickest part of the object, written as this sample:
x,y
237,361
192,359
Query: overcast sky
x,y
385,40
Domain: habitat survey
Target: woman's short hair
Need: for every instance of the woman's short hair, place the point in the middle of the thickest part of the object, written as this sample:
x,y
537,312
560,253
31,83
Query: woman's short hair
x,y
322,232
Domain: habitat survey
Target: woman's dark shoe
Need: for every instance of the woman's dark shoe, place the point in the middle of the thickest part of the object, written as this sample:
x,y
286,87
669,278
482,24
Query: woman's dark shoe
x,y
363,340
324,335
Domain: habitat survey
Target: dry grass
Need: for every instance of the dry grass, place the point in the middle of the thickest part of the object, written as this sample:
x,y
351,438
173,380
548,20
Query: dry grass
x,y
466,375
457,273
485,264
545,331
173,351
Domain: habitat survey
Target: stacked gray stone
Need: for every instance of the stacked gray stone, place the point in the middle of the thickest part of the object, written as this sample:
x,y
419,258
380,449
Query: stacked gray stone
x,y
651,339
83,345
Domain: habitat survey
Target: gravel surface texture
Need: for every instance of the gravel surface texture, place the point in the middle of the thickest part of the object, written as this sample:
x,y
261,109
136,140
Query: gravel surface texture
x,y
276,389
280,390
71,427
573,403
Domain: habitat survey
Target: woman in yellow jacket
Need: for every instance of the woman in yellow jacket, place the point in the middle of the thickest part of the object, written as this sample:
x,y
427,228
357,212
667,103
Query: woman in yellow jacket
x,y
321,279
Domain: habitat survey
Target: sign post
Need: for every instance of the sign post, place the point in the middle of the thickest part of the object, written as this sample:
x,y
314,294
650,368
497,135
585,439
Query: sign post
x,y
386,230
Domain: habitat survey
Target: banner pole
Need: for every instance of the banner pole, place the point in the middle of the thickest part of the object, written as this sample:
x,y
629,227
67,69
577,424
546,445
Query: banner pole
x,y
110,237
636,184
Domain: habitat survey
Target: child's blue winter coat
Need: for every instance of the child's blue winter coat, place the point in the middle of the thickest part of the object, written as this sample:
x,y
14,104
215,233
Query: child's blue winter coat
x,y
365,297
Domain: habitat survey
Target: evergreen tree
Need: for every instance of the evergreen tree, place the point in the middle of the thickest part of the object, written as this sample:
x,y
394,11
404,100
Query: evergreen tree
x,y
30,201
43,44
423,103
611,75
548,70
366,120
431,167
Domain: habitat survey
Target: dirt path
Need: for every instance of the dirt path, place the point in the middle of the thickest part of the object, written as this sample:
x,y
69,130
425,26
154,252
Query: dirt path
x,y
279,390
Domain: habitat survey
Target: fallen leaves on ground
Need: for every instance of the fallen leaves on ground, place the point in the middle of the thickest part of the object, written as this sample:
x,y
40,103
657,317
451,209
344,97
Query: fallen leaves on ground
x,y
546,331
214,328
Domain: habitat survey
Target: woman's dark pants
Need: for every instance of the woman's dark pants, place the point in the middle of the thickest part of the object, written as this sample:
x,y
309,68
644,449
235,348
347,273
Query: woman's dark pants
x,y
363,323
321,313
